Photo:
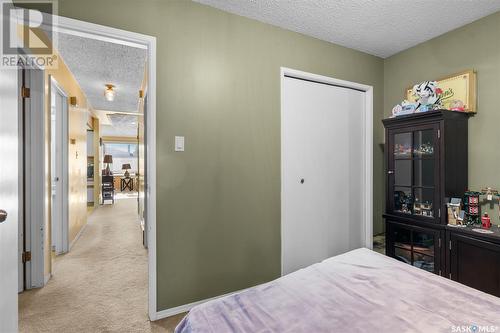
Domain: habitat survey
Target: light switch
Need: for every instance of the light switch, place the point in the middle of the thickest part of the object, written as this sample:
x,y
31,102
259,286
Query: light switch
x,y
179,143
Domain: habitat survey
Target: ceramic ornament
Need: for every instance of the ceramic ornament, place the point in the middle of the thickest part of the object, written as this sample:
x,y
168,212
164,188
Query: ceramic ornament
x,y
396,110
428,96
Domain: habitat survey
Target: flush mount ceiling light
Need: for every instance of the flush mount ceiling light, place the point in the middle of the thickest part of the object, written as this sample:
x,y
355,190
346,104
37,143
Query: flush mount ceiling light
x,y
109,92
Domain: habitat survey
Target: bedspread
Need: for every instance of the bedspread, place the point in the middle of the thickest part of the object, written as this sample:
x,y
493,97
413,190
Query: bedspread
x,y
358,291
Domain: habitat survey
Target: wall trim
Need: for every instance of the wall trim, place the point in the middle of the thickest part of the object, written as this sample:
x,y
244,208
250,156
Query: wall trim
x,y
187,307
73,242
46,279
367,196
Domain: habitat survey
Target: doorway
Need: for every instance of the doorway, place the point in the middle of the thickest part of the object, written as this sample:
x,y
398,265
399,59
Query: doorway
x,y
59,167
9,313
326,148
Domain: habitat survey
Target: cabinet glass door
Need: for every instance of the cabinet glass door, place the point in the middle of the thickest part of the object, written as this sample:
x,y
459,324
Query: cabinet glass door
x,y
414,246
413,171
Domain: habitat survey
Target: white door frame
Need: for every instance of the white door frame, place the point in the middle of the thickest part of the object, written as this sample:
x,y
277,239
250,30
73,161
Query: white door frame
x,y
367,191
64,117
123,37
34,154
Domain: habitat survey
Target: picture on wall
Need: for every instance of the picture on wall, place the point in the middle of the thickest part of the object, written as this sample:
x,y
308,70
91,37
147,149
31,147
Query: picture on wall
x,y
459,92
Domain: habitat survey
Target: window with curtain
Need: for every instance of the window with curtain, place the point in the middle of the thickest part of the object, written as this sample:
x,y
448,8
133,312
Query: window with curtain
x,y
123,153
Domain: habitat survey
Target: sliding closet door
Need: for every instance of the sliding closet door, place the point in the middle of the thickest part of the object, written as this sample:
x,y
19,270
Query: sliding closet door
x,y
322,158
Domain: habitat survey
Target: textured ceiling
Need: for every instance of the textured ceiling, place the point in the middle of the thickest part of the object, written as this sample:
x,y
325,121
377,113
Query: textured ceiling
x,y
95,63
378,27
121,125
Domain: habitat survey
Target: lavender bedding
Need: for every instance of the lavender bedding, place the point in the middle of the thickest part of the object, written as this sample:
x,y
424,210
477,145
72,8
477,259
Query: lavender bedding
x,y
359,291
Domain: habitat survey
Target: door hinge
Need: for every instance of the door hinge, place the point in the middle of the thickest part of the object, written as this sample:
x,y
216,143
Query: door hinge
x,y
439,242
25,92
450,244
26,256
439,133
439,212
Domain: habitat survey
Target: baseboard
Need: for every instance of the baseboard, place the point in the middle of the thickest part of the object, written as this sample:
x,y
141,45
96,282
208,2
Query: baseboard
x,y
186,307
77,236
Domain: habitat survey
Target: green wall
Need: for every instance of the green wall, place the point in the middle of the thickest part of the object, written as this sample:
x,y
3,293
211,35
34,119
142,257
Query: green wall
x,y
474,46
218,203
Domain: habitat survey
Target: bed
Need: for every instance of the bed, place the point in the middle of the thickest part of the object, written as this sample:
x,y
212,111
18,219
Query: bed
x,y
358,291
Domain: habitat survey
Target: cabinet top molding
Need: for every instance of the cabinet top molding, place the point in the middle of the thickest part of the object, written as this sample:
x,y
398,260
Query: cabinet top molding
x,y
437,114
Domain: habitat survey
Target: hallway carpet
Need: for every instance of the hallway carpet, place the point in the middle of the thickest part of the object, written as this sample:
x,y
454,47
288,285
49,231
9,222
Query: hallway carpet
x,y
101,285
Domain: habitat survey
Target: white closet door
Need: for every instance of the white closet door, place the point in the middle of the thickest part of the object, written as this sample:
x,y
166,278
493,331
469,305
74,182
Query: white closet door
x,y
322,172
9,191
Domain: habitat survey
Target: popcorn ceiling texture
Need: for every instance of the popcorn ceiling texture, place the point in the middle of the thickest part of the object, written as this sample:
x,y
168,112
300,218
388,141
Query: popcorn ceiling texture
x,y
121,125
377,27
95,63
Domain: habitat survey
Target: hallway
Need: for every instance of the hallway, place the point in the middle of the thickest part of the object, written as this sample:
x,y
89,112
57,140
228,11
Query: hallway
x,y
100,285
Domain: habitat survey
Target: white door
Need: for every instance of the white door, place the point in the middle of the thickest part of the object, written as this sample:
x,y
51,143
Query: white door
x,y
59,110
9,141
322,165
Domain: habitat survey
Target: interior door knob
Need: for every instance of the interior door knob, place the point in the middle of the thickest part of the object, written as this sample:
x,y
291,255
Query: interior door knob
x,y
3,215
302,180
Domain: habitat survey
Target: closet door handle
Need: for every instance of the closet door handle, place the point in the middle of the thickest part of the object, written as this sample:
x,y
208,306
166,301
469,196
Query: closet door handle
x,y
390,172
3,215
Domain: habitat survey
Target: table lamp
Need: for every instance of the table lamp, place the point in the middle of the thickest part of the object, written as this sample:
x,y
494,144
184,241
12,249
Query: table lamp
x,y
108,159
126,167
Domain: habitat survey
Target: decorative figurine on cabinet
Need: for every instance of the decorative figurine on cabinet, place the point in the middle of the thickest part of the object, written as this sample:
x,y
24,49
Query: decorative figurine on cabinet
x,y
425,149
454,211
428,96
402,150
471,205
403,202
406,206
423,209
404,108
489,193
457,105
485,221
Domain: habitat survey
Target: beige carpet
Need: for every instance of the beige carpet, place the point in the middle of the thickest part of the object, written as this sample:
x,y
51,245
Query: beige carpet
x,y
101,285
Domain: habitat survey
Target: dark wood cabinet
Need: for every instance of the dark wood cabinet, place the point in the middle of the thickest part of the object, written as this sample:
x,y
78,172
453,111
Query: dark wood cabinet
x,y
426,161
426,164
475,260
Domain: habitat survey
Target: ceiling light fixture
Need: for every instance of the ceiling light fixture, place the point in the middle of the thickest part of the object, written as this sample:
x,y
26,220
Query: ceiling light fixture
x,y
109,92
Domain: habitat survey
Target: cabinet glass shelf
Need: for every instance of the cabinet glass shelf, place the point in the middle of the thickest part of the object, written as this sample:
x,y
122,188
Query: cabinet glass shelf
x,y
413,167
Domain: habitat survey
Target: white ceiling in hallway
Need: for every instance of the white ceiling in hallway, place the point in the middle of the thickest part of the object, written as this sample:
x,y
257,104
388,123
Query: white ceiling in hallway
x,y
95,63
378,27
121,125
